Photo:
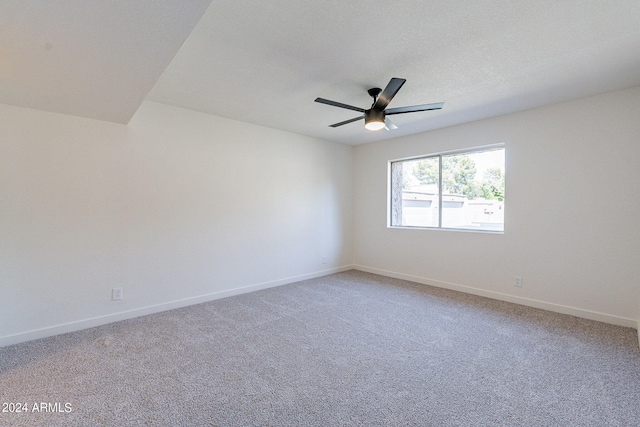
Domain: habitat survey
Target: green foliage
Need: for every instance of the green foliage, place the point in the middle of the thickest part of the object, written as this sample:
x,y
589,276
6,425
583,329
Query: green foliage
x,y
426,171
459,177
493,184
458,174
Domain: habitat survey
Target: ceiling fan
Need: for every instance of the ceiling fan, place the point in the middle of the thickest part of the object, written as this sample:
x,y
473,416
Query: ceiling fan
x,y
375,117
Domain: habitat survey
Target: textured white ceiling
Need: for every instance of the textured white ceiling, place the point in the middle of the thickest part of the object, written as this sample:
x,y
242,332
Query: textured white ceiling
x,y
265,62
90,58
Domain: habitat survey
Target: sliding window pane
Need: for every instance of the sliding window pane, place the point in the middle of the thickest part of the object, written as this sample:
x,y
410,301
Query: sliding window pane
x,y
415,192
473,190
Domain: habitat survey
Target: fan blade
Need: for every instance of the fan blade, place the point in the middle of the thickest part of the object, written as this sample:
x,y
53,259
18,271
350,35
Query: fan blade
x,y
346,122
388,93
389,125
339,104
414,108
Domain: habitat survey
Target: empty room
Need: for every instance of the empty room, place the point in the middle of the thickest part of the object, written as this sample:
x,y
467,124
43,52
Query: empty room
x,y
319,213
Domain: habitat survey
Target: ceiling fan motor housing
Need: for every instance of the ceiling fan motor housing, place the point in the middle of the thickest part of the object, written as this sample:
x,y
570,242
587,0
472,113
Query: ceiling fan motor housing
x,y
374,119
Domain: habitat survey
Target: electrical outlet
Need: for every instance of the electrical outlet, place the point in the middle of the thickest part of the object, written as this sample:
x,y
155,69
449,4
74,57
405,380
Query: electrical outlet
x,y
116,294
324,259
517,282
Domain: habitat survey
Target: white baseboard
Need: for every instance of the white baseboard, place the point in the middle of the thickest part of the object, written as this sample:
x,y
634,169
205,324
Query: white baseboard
x,y
557,308
143,311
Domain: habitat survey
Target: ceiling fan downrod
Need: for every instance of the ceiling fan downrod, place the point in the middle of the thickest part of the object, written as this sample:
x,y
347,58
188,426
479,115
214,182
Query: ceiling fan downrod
x,y
374,92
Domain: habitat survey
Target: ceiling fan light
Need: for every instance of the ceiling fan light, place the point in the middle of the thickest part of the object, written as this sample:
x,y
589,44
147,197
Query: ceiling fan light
x,y
374,120
374,125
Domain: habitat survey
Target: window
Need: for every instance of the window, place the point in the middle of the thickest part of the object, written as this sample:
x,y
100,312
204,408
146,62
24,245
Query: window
x,y
455,190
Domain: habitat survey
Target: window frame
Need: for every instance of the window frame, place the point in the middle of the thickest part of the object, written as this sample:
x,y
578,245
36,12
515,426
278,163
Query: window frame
x,y
439,155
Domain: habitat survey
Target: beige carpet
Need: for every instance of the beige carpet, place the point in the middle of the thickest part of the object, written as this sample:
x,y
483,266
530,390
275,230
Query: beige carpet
x,y
350,349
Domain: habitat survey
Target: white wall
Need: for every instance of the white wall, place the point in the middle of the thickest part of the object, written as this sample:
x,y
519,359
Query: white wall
x,y
181,207
578,252
176,208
